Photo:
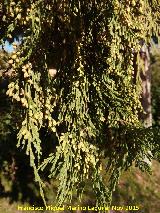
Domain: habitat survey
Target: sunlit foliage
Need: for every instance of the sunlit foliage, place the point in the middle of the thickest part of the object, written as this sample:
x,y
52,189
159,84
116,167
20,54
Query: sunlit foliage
x,y
91,45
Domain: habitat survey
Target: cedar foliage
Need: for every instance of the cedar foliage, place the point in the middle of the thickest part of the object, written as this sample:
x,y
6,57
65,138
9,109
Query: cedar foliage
x,y
92,103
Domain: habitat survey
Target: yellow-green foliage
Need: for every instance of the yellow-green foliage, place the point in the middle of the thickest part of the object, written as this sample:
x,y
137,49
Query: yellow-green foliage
x,y
91,44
